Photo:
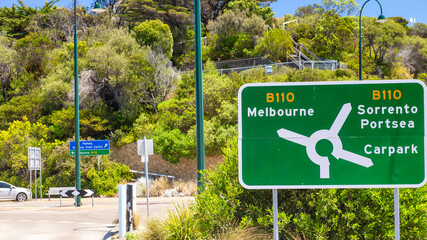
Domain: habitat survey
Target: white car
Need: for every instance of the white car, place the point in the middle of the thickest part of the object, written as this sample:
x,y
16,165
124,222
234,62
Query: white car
x,y
8,191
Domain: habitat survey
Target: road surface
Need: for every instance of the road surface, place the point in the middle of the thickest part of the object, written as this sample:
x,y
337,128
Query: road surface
x,y
45,220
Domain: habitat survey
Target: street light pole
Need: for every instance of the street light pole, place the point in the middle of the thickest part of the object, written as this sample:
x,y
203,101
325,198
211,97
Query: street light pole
x,y
76,106
98,8
381,19
200,139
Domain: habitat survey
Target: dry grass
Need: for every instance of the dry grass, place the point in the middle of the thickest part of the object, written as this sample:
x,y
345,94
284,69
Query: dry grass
x,y
137,219
189,188
154,230
247,233
159,186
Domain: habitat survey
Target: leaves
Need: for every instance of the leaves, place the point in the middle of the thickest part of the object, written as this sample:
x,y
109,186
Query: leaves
x,y
155,34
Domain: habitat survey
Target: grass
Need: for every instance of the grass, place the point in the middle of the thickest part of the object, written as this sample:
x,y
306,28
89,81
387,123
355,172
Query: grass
x,y
188,188
246,233
181,224
160,185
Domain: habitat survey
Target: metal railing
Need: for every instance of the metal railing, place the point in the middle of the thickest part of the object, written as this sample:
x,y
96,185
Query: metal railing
x,y
322,65
154,174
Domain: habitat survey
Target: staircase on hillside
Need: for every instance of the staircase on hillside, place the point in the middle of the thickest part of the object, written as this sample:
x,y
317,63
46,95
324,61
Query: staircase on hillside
x,y
298,55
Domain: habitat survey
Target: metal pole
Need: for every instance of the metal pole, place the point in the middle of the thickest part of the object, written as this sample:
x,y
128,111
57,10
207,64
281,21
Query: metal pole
x,y
99,163
360,37
275,216
360,42
76,106
31,185
396,215
41,185
122,210
199,94
147,189
35,181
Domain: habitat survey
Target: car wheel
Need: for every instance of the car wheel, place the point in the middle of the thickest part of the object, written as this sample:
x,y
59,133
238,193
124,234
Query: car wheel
x,y
21,197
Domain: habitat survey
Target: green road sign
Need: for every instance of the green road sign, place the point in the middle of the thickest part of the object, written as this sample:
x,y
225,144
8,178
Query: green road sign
x,y
91,152
368,134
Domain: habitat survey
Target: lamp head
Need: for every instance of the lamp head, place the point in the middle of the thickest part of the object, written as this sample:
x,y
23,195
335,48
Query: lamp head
x,y
382,19
97,8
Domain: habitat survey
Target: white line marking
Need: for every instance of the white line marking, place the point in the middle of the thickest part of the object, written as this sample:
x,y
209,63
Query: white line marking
x,y
65,222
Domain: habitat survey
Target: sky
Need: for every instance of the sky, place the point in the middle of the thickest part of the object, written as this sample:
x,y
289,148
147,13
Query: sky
x,y
415,9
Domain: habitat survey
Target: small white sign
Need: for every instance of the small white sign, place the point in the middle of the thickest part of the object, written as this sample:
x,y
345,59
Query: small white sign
x,y
34,158
141,147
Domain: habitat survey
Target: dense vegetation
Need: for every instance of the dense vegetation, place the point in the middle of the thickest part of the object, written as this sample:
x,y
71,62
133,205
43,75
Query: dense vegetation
x,y
225,209
130,86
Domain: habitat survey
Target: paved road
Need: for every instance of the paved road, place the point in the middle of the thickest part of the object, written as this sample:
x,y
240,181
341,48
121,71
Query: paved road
x,y
45,220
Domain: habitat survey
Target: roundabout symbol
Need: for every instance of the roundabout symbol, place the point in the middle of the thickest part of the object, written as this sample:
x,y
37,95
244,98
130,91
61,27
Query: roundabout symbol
x,y
331,135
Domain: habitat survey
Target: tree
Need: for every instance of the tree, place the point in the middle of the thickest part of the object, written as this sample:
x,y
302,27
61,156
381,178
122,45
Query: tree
x,y
177,14
7,68
342,7
172,12
378,38
401,21
58,23
160,78
234,34
155,34
419,29
334,36
414,55
32,54
16,20
305,11
276,44
27,105
14,143
212,9
253,7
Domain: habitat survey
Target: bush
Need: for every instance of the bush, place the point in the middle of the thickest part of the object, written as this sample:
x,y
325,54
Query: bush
x,y
177,113
218,204
173,144
312,214
156,34
105,182
344,74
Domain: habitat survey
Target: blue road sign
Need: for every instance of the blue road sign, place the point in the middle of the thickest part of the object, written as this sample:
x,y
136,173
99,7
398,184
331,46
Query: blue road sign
x,y
91,148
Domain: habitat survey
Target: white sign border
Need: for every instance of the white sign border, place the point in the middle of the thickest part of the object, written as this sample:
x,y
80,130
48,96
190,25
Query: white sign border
x,y
329,83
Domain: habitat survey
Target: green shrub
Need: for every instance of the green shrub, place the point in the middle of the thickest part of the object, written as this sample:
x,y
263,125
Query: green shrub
x,y
308,214
344,73
218,203
105,182
181,224
156,34
173,144
119,138
177,113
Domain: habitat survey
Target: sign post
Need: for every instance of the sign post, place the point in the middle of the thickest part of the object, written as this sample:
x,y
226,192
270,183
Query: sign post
x,y
145,148
368,134
34,163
